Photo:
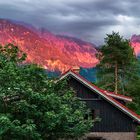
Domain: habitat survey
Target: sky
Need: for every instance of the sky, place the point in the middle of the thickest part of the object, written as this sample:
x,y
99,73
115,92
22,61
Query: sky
x,y
89,20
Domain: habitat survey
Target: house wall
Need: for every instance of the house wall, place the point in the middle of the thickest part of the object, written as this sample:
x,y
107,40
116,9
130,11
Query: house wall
x,y
112,119
112,135
108,136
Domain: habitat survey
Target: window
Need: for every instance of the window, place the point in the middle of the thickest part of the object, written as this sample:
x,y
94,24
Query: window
x,y
93,114
97,113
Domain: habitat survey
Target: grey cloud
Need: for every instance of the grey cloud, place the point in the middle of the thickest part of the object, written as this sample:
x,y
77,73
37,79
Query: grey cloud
x,y
86,19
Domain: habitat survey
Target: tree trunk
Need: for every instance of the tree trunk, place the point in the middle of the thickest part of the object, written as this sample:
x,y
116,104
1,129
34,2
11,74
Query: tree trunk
x,y
116,77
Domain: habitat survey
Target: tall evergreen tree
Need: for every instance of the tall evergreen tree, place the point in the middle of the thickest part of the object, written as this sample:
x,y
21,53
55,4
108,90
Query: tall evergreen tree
x,y
117,63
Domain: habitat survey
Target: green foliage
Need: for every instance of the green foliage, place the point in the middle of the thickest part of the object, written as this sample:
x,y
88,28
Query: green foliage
x,y
34,107
118,65
133,90
118,54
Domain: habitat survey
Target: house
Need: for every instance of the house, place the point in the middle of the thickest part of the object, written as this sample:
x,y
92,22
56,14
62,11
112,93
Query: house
x,y
117,121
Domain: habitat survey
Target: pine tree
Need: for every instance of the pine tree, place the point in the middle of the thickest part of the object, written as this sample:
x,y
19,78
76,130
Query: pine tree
x,y
118,63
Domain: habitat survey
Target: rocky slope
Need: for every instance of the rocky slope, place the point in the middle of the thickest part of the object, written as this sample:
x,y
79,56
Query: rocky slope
x,y
53,52
135,43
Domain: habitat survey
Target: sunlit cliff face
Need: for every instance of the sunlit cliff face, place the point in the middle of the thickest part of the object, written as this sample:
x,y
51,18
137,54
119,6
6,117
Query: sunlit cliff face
x,y
46,49
135,43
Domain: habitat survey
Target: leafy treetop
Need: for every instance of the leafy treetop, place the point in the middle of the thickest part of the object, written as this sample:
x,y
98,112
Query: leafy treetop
x,y
34,107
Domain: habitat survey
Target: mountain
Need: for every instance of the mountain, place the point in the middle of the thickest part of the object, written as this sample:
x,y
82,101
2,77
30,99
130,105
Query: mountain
x,y
52,52
135,43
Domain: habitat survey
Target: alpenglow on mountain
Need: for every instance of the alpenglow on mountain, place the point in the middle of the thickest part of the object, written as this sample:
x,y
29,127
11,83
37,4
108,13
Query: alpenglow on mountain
x,y
52,52
135,43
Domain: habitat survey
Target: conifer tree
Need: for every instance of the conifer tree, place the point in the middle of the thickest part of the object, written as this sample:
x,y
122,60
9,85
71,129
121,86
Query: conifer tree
x,y
117,63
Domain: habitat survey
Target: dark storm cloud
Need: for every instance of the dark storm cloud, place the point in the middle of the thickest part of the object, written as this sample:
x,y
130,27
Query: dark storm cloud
x,y
86,19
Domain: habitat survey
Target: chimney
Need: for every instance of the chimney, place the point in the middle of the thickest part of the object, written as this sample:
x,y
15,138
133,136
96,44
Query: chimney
x,y
76,69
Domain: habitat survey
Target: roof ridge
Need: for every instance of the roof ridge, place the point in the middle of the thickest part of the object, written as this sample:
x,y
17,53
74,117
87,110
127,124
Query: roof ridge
x,y
100,88
120,106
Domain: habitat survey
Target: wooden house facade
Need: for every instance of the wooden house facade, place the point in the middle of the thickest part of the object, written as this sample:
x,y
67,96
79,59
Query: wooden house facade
x,y
114,120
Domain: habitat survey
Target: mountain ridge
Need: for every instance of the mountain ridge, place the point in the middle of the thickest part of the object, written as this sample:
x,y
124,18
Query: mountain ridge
x,y
135,43
52,52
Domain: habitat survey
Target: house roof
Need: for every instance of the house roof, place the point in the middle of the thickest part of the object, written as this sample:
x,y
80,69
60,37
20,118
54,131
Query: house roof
x,y
105,94
118,96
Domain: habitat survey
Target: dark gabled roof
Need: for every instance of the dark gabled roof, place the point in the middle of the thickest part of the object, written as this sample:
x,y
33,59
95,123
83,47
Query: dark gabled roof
x,y
106,95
